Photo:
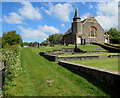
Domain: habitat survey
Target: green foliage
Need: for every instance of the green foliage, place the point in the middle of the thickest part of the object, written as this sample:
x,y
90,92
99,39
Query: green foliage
x,y
25,44
13,68
109,48
11,38
33,44
53,39
113,45
114,35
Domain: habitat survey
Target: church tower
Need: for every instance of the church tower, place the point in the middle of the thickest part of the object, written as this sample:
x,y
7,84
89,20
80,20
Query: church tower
x,y
76,28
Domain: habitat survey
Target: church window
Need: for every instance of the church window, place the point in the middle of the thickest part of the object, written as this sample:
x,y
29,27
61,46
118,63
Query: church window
x,y
92,32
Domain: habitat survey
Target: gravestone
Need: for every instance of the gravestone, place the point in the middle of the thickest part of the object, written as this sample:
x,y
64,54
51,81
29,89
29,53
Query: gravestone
x,y
77,49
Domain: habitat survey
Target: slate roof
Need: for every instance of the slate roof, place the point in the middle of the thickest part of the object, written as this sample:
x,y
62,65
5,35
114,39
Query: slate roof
x,y
76,13
68,31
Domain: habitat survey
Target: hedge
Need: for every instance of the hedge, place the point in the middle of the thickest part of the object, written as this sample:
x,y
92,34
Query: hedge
x,y
112,45
109,48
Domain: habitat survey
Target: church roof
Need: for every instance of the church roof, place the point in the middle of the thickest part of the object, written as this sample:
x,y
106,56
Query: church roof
x,y
76,16
76,13
68,31
83,20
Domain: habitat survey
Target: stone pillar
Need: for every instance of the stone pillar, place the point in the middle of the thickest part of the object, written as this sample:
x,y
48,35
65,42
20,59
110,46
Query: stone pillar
x,y
84,41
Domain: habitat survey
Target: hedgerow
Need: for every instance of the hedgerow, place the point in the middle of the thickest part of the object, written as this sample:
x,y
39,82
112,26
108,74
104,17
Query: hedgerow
x,y
13,67
109,48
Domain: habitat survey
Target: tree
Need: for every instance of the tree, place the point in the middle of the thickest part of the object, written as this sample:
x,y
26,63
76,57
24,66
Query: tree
x,y
11,38
25,44
55,39
114,35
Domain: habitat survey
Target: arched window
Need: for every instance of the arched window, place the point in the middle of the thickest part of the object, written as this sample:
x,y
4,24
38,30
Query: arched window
x,y
92,32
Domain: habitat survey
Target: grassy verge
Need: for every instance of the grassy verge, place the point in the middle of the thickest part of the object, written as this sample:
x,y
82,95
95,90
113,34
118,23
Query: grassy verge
x,y
106,63
88,54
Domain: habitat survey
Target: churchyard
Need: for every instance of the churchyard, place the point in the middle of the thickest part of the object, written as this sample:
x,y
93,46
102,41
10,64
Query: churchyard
x,y
31,71
96,57
37,76
49,49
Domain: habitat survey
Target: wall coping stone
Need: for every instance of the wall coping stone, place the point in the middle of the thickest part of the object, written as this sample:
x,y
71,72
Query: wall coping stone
x,y
90,67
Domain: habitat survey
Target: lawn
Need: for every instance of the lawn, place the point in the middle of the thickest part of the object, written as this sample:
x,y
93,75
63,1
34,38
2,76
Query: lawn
x,y
83,47
88,54
41,77
106,63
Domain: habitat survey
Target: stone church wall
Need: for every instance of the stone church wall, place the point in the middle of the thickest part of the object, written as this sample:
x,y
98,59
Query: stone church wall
x,y
100,33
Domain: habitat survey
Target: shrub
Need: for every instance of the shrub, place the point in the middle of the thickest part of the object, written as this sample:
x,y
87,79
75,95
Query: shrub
x,y
109,48
13,67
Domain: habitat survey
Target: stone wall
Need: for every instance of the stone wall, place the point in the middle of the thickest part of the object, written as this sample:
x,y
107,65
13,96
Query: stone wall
x,y
78,58
49,56
52,57
109,78
113,56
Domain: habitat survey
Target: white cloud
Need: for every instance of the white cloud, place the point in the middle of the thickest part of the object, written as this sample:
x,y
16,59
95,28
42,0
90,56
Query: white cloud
x,y
62,25
107,14
85,16
107,8
14,18
91,6
1,20
60,11
49,29
32,34
83,2
107,22
29,11
39,33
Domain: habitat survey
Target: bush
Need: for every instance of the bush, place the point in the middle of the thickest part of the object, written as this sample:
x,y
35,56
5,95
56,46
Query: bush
x,y
11,38
13,67
109,48
112,45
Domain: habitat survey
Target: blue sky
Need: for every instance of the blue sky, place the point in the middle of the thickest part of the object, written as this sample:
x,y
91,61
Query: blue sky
x,y
37,20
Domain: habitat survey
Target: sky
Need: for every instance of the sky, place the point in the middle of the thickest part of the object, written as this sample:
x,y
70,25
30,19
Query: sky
x,y
35,21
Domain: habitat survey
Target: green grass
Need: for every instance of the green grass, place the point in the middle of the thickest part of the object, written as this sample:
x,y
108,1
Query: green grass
x,y
41,77
88,54
115,45
83,47
106,63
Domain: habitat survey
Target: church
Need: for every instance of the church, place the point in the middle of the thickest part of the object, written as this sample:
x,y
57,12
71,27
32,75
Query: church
x,y
85,32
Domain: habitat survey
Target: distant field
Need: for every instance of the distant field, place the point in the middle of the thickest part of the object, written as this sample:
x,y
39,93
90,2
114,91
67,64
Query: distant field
x,y
106,63
88,54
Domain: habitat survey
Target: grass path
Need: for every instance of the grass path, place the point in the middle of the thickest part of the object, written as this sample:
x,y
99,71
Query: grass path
x,y
44,78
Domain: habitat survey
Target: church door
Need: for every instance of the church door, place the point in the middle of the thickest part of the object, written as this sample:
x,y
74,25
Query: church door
x,y
79,40
106,40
